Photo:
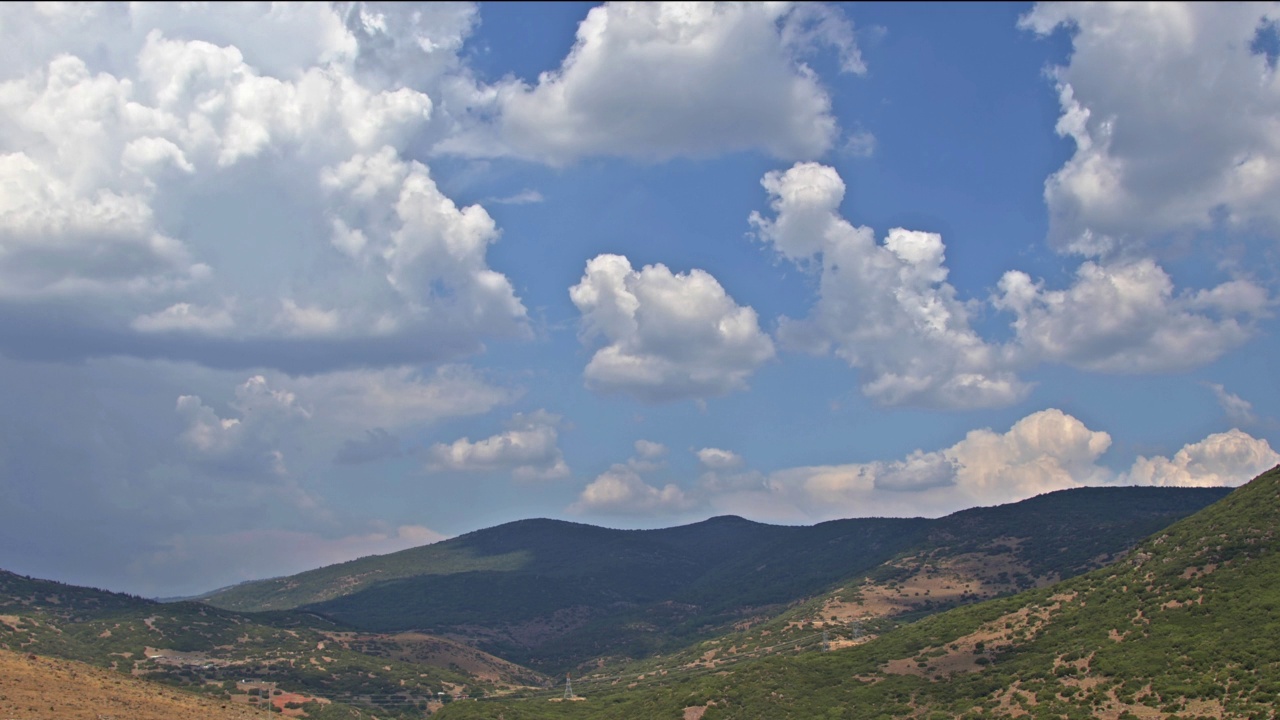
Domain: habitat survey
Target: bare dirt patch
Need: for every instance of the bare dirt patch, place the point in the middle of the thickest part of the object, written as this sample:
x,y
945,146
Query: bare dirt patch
x,y
48,689
966,654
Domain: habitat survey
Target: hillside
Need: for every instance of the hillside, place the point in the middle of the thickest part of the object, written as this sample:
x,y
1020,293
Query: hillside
x,y
38,687
1183,627
237,656
552,595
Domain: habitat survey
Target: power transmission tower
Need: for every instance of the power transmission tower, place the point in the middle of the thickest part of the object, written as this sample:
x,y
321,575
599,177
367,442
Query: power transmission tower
x,y
826,641
857,630
568,687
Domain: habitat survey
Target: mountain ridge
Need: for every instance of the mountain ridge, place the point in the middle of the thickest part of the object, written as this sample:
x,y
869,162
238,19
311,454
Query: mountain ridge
x,y
551,594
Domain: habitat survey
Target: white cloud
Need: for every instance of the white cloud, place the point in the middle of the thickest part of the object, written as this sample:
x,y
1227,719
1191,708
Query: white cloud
x,y
1238,410
398,397
656,80
1045,451
1125,317
621,490
184,159
1172,111
1230,458
244,447
886,309
268,415
528,449
669,336
717,459
649,450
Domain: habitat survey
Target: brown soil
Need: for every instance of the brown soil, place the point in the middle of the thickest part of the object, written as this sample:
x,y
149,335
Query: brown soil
x,y
442,652
40,688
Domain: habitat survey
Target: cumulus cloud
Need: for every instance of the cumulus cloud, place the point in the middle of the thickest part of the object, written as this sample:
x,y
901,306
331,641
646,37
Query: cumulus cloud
x,y
1143,98
1045,451
184,159
886,309
246,446
268,413
649,450
1230,458
528,449
1238,410
669,336
717,459
621,490
399,396
657,80
1125,317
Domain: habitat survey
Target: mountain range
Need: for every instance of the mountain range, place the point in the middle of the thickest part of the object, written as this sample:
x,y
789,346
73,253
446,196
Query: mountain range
x,y
917,614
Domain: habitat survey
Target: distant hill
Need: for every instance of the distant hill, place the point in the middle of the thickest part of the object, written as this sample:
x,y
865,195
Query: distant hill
x,y
551,594
234,656
1185,626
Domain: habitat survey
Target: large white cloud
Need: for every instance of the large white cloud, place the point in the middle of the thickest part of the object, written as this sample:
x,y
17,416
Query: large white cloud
x,y
243,200
887,309
656,80
528,450
1172,109
668,335
1125,317
1045,451
884,308
1229,458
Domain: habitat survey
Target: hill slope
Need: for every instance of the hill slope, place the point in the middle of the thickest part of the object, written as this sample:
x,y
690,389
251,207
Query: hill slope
x,y
215,651
552,594
1184,626
39,687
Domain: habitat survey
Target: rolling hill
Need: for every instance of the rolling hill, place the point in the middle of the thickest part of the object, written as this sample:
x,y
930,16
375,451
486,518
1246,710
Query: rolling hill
x,y
1183,627
553,595
237,656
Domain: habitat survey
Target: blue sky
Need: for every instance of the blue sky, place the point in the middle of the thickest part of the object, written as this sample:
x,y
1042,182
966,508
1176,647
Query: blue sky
x,y
282,286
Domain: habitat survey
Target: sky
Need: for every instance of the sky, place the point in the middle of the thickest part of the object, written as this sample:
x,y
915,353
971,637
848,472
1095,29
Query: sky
x,y
287,285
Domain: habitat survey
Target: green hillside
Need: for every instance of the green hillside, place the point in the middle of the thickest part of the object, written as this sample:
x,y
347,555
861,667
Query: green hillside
x,y
1184,627
552,595
235,655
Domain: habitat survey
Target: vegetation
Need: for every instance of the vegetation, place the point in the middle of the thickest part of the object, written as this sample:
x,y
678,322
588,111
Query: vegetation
x,y
727,618
553,595
1182,628
221,653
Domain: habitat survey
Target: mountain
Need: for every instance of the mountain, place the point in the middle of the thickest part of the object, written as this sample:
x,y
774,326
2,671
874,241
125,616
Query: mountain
x,y
235,657
552,595
1183,627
